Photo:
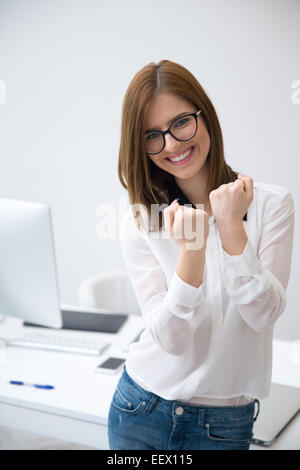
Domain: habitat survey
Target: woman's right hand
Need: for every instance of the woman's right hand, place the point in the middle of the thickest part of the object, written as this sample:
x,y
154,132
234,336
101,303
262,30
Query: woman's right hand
x,y
189,227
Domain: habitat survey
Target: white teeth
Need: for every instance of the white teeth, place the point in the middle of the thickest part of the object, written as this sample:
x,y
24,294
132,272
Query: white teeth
x,y
181,157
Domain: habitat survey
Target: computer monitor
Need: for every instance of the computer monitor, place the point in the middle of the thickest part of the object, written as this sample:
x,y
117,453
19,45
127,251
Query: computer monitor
x,y
28,275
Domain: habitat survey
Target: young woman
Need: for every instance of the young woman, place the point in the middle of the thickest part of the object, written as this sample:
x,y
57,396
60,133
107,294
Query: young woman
x,y
209,297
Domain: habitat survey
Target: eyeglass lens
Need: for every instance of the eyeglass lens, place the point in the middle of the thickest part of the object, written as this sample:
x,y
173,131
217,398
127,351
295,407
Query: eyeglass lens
x,y
183,128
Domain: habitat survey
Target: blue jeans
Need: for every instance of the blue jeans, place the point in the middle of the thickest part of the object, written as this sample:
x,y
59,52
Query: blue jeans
x,y
139,419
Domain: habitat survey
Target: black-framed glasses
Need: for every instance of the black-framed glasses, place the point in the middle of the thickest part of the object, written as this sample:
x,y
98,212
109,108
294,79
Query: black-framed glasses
x,y
182,129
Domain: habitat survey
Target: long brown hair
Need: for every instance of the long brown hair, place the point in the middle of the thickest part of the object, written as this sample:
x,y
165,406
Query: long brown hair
x,y
145,181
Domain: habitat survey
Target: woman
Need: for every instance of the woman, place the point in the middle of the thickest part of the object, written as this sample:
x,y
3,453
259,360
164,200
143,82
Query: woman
x,y
209,297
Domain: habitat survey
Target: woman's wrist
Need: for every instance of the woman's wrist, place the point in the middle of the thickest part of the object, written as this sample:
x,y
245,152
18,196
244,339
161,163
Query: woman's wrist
x,y
233,237
190,266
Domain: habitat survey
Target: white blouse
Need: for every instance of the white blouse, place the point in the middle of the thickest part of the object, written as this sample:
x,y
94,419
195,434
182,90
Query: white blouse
x,y
211,344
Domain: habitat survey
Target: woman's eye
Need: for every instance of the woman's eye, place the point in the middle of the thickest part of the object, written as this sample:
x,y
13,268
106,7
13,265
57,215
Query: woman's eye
x,y
152,136
182,121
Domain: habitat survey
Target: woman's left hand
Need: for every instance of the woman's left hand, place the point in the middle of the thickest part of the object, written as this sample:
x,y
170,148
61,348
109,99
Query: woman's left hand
x,y
230,202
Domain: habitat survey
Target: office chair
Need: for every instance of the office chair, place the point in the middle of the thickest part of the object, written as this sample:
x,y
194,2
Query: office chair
x,y
110,290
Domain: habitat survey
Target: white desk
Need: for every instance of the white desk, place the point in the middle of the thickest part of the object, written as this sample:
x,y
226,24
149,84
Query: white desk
x,y
77,409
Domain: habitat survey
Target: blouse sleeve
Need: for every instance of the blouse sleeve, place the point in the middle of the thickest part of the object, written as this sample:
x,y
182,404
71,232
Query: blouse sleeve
x,y
173,312
257,282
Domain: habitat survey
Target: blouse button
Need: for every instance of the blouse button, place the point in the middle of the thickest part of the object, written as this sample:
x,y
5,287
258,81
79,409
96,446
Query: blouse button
x,y
179,410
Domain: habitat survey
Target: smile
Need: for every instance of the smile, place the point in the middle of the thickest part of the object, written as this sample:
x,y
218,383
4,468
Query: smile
x,y
184,157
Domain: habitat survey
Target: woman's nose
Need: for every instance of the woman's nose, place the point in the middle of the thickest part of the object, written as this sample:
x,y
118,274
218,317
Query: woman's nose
x,y
172,145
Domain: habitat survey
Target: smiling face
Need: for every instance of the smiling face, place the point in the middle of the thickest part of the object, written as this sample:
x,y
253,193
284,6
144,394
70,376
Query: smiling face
x,y
164,108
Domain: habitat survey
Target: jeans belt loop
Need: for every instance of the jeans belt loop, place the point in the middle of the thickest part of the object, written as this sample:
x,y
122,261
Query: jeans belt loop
x,y
258,408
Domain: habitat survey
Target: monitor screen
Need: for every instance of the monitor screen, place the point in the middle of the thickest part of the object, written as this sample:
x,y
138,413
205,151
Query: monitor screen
x,y
28,276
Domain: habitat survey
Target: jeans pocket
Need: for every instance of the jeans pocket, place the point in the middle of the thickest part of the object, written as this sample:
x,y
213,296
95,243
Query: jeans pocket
x,y
127,402
236,432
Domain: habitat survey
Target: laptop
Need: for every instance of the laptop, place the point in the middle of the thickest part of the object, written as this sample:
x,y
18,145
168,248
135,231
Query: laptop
x,y
276,411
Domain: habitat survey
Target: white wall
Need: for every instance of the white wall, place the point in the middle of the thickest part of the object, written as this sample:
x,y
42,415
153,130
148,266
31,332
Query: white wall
x,y
67,64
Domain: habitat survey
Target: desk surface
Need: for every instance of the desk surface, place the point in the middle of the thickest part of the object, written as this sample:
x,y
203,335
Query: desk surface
x,y
82,394
79,391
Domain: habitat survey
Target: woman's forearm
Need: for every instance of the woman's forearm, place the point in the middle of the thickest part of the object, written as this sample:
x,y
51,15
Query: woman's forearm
x,y
190,266
234,238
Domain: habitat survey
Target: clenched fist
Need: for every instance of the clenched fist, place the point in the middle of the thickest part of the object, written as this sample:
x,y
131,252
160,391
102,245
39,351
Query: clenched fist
x,y
230,201
187,226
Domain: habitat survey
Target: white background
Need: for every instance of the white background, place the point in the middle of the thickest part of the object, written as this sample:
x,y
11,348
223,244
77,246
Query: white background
x,y
66,65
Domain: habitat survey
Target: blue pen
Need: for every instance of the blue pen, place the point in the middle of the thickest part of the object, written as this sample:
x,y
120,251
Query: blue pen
x,y
18,382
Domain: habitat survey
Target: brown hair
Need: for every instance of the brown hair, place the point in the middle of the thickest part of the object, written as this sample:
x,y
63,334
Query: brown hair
x,y
144,180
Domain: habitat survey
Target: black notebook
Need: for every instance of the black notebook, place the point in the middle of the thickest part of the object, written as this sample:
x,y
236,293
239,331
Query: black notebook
x,y
90,321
